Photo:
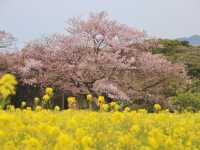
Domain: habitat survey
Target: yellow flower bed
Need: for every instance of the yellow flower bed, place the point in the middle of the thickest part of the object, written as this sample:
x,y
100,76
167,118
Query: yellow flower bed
x,y
86,130
7,85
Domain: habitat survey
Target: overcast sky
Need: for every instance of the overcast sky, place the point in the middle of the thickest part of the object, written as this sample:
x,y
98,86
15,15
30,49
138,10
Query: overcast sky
x,y
29,19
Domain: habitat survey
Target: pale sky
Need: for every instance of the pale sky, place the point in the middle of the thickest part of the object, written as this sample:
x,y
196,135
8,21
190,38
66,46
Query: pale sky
x,y
30,19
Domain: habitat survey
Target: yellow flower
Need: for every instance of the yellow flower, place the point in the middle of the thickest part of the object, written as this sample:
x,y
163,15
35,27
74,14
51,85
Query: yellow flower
x,y
49,91
87,142
135,128
38,108
101,100
17,109
105,107
89,98
46,98
28,108
31,144
142,110
57,108
7,85
117,117
64,140
112,104
157,107
36,100
72,102
117,107
90,130
80,133
9,145
153,142
23,104
127,109
11,108
71,99
169,142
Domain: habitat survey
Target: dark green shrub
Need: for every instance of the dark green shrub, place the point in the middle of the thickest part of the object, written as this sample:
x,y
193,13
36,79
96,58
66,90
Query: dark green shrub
x,y
185,43
186,101
173,43
195,86
193,70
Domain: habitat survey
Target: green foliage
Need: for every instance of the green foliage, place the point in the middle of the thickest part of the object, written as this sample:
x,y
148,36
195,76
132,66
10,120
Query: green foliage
x,y
180,52
193,69
173,43
186,101
194,86
146,102
185,43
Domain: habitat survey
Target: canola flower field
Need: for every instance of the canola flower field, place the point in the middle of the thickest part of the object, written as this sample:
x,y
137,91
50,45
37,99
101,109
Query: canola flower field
x,y
108,128
89,130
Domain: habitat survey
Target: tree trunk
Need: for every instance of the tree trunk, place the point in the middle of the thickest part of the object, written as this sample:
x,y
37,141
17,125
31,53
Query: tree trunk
x,y
63,101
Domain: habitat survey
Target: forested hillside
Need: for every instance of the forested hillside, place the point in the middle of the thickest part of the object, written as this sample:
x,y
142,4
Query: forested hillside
x,y
184,53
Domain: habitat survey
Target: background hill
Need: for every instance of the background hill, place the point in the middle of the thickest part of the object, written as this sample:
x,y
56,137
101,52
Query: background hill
x,y
181,52
194,40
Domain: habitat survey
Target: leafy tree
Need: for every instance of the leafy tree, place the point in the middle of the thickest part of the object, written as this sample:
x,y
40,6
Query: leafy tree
x,y
186,101
185,43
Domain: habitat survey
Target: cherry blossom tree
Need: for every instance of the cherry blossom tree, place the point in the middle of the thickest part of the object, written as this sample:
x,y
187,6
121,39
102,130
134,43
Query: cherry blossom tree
x,y
99,31
99,56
